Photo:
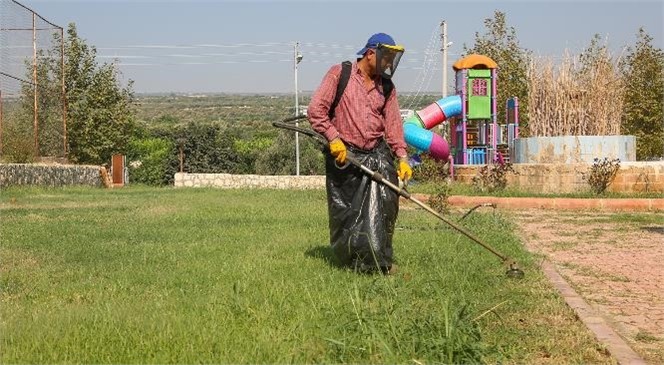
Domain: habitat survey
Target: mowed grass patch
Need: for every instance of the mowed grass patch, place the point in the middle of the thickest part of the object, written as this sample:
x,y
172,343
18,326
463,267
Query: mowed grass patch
x,y
164,275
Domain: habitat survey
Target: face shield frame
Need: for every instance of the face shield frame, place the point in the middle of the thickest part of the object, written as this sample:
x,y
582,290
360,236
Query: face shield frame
x,y
387,59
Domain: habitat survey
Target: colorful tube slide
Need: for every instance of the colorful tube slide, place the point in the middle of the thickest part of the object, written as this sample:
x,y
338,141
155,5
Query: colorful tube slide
x,y
417,128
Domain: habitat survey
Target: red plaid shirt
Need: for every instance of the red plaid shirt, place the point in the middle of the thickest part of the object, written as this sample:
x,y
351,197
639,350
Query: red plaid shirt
x,y
358,119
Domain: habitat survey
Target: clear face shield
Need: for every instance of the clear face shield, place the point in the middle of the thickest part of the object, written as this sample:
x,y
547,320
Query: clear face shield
x,y
387,59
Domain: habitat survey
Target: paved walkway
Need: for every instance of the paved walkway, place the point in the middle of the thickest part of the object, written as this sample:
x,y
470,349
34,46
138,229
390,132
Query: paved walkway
x,y
593,319
562,203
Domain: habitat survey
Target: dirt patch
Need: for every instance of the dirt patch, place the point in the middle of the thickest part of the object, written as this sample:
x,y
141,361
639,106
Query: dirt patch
x,y
612,261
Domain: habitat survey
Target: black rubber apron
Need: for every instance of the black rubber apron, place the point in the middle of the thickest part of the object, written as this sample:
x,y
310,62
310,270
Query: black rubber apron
x,y
362,212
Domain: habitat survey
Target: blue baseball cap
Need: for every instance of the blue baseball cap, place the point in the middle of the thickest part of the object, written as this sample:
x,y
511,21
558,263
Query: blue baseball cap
x,y
374,40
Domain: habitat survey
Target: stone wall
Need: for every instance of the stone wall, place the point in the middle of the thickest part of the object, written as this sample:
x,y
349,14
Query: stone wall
x,y
568,178
541,178
249,181
49,175
545,178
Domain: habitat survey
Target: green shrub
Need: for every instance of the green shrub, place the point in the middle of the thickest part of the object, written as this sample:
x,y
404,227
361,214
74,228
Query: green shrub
x,y
148,160
279,158
18,144
249,151
207,148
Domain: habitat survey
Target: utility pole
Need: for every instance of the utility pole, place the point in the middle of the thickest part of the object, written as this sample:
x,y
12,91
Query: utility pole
x,y
297,57
443,29
443,35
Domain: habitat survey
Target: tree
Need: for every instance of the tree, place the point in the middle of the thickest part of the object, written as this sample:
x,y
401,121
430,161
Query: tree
x,y
643,116
595,55
100,113
501,44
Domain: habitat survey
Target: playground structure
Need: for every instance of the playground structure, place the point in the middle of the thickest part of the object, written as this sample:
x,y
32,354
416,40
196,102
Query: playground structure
x,y
475,135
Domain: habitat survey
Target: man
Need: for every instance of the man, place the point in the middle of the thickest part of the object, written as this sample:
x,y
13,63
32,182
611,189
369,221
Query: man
x,y
366,122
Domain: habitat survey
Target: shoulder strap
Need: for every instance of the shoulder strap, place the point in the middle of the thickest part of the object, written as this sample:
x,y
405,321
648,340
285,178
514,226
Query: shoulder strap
x,y
388,86
346,66
341,86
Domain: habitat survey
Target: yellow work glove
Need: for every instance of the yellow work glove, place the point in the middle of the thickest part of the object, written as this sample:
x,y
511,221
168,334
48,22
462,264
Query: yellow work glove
x,y
338,150
404,171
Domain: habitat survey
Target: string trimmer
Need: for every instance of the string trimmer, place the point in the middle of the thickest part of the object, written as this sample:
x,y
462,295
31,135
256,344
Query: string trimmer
x,y
513,270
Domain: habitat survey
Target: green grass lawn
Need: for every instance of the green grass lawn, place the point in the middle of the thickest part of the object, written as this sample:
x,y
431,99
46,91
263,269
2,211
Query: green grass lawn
x,y
164,275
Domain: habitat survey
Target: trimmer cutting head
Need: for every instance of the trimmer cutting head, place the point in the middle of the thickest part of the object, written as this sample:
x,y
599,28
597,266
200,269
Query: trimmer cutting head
x,y
514,272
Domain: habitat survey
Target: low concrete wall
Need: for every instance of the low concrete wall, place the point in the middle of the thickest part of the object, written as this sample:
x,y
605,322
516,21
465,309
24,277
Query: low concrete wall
x,y
573,149
49,175
229,181
568,178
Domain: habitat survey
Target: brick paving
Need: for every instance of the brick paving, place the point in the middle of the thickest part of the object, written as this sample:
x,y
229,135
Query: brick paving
x,y
592,319
616,267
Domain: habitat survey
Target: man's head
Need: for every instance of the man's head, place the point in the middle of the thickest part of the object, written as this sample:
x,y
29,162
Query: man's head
x,y
382,54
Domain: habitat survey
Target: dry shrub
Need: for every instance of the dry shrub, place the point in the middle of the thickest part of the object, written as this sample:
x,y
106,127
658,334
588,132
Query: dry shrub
x,y
491,178
431,170
437,173
440,199
601,174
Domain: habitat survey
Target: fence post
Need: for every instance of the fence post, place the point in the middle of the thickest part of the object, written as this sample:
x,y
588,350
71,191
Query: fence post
x,y
64,94
0,121
34,77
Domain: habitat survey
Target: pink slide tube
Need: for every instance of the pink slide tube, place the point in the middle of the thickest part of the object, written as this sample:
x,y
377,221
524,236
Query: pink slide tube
x,y
431,115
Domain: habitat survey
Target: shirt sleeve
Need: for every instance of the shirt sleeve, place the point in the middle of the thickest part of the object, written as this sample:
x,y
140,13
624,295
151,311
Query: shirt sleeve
x,y
393,126
321,101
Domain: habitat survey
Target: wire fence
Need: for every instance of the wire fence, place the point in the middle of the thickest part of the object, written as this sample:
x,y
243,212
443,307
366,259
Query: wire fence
x,y
33,115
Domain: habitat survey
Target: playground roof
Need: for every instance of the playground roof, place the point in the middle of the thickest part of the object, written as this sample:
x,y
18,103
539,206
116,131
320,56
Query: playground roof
x,y
474,61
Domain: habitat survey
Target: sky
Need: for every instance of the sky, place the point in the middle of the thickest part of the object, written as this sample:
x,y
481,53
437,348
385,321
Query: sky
x,y
217,46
